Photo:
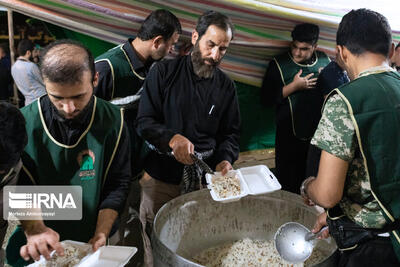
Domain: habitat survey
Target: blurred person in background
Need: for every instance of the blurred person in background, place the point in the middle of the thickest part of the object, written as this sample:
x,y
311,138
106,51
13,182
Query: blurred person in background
x,y
5,73
26,74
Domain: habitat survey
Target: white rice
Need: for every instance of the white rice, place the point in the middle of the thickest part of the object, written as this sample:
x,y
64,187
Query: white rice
x,y
72,256
249,253
226,186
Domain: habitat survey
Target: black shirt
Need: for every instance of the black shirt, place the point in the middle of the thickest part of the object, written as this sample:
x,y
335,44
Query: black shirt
x,y
105,84
331,77
206,111
68,131
272,95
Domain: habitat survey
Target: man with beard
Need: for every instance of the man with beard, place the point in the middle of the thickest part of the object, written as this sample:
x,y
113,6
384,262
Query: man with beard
x,y
74,138
289,85
189,109
122,71
26,74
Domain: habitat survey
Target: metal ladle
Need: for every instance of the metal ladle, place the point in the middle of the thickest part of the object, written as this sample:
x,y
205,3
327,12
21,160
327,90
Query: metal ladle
x,y
293,241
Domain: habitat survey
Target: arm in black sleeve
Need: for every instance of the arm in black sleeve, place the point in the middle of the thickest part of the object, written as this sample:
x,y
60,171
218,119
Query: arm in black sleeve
x,y
105,83
271,89
150,120
116,187
229,130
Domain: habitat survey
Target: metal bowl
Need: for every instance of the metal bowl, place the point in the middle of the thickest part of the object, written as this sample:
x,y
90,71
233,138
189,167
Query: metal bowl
x,y
191,223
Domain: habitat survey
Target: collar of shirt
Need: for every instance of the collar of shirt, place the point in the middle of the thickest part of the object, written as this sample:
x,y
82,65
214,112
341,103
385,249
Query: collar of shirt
x,y
137,64
376,69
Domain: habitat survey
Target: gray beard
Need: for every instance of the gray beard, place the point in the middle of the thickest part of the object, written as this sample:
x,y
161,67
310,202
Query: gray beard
x,y
201,69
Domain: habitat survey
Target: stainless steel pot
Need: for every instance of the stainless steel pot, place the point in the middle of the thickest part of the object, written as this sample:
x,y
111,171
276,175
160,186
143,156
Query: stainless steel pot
x,y
187,225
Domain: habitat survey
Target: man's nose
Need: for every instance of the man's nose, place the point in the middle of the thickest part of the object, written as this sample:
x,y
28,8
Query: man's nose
x,y
69,106
215,54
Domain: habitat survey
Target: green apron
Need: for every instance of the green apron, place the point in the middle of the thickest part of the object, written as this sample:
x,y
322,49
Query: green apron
x,y
374,104
305,105
86,163
126,81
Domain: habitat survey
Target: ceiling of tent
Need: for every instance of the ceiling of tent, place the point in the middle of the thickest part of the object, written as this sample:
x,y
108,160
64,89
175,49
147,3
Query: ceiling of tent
x,y
262,26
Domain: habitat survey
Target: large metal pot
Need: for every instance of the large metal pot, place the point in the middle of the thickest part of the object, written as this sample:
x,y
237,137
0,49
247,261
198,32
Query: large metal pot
x,y
193,222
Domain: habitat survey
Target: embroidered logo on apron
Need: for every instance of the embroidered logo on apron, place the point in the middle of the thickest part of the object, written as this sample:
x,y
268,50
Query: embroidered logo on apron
x,y
86,160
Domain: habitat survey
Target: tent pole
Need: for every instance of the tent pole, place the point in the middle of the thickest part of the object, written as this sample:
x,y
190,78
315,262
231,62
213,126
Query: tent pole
x,y
12,54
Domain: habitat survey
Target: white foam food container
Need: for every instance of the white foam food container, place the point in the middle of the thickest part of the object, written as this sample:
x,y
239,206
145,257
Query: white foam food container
x,y
254,180
214,195
109,256
106,256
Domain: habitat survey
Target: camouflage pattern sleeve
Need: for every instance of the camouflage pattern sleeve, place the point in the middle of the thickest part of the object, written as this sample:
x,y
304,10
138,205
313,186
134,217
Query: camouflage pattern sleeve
x,y
335,133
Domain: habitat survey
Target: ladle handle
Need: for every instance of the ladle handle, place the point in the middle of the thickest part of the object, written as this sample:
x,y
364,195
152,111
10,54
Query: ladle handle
x,y
310,235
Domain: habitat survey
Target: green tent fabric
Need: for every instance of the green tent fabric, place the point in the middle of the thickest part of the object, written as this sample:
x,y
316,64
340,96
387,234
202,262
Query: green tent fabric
x,y
96,46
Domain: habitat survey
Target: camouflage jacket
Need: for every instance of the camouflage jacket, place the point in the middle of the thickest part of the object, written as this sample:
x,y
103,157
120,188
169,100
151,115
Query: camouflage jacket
x,y
336,135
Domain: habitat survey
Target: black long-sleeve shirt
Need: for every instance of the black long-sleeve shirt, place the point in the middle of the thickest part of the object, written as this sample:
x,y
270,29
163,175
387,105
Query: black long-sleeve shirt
x,y
176,101
116,187
271,93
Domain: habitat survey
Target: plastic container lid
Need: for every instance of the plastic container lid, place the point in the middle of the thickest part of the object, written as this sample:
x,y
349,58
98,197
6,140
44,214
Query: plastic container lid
x,y
255,180
260,180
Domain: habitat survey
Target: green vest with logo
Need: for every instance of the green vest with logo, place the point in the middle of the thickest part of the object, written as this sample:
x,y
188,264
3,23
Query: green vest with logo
x,y
305,105
85,163
374,104
126,81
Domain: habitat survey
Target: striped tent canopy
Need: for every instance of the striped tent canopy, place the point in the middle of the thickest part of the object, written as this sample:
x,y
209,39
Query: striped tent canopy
x,y
262,26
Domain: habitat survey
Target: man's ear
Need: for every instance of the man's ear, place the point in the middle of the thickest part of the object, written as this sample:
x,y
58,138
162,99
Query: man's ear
x,y
195,36
391,51
157,41
342,52
96,79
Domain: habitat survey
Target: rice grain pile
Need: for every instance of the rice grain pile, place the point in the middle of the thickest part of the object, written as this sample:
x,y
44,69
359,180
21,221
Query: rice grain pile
x,y
251,253
226,186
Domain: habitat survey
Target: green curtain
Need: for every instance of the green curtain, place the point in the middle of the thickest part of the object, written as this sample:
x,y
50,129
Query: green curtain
x,y
258,125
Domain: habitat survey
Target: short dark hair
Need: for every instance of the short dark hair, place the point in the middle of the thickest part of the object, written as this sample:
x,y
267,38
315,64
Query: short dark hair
x,y
306,33
13,138
397,46
67,67
4,47
159,22
214,18
24,46
365,30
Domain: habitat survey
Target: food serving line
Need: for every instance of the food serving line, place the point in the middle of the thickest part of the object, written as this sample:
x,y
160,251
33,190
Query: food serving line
x,y
241,219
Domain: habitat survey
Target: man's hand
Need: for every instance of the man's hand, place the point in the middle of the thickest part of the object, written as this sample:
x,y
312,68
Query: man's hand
x,y
306,82
41,240
223,167
105,221
98,240
182,148
321,222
